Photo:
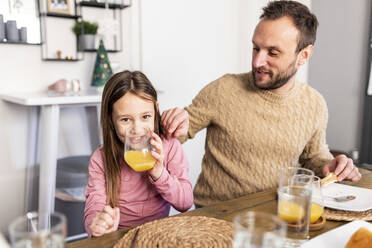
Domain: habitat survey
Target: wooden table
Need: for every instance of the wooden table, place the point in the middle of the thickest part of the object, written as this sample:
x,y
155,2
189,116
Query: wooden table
x,y
264,201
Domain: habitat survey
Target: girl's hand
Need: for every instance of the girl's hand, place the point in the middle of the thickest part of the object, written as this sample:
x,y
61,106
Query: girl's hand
x,y
157,153
105,221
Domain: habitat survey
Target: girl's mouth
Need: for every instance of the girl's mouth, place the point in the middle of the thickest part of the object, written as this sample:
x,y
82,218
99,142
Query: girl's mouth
x,y
136,140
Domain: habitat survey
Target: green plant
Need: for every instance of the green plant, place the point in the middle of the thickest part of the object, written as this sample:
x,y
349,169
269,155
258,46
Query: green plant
x,y
89,28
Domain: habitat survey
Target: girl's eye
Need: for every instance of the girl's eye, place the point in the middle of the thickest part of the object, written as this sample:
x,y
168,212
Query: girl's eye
x,y
125,119
146,117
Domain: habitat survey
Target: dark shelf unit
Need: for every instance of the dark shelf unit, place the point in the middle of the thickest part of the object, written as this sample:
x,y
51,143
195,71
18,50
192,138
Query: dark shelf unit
x,y
116,8
78,56
78,16
61,60
62,15
102,5
95,50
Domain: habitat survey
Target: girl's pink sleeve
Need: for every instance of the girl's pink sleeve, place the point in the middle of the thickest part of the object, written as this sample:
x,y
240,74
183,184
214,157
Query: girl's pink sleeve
x,y
174,183
95,191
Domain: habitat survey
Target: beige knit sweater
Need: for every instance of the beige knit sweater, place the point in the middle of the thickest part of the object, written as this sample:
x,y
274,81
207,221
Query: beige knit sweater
x,y
251,133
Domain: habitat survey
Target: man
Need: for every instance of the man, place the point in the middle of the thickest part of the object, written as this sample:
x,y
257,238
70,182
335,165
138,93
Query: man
x,y
261,121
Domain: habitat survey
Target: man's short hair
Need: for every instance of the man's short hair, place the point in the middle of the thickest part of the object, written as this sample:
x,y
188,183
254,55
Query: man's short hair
x,y
303,19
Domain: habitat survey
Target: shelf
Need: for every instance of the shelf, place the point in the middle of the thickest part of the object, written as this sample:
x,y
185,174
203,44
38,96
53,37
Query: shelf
x,y
102,5
62,60
19,43
61,15
107,50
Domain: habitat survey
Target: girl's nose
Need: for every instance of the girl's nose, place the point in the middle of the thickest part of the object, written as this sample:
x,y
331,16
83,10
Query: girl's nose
x,y
138,129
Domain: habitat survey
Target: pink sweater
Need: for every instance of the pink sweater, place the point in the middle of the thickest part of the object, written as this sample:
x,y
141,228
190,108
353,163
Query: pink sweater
x,y
141,199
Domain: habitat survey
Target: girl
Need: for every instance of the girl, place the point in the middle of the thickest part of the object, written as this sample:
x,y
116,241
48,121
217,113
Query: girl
x,y
116,195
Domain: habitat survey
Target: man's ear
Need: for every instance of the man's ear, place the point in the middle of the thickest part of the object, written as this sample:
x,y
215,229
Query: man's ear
x,y
305,54
157,106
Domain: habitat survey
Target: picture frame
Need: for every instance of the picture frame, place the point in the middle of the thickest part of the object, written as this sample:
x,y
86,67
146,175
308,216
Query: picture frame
x,y
59,6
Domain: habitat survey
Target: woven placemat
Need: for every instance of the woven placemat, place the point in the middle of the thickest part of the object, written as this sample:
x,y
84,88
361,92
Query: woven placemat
x,y
187,231
333,214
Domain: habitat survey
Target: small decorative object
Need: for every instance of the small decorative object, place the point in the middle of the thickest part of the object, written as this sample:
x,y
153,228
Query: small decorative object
x,y
64,87
86,32
2,28
12,31
102,69
15,6
108,26
59,6
59,54
22,34
68,57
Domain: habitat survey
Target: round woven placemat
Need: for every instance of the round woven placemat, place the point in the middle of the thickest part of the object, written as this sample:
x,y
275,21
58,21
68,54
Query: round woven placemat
x,y
187,231
333,214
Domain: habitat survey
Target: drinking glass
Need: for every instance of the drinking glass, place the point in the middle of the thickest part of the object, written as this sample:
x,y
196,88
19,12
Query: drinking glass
x,y
137,149
258,230
38,230
317,202
294,203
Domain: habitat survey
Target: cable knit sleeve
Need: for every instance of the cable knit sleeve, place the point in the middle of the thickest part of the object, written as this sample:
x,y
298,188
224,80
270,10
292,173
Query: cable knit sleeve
x,y
316,153
95,192
174,183
203,108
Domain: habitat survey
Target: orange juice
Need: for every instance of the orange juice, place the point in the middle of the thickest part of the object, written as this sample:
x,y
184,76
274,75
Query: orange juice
x,y
316,212
139,160
290,212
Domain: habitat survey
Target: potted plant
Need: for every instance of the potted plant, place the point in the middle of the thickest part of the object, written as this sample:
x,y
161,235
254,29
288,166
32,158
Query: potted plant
x,y
86,32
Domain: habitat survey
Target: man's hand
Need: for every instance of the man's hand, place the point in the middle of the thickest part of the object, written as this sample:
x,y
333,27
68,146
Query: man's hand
x,y
105,221
343,167
175,122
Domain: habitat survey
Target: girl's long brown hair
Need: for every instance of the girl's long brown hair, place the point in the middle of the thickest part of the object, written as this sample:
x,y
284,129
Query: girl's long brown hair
x,y
116,87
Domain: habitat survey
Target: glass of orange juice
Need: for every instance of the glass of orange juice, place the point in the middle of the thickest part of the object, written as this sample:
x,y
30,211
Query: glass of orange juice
x,y
294,203
317,204
137,149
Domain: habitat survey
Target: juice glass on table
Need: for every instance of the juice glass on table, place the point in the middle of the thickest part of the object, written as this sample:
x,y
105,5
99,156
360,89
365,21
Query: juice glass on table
x,y
294,203
317,204
137,149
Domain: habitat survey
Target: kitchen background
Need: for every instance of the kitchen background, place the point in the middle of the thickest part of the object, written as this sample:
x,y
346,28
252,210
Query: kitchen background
x,y
181,46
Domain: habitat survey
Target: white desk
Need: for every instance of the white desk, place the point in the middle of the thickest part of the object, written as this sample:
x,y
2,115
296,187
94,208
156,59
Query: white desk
x,y
49,120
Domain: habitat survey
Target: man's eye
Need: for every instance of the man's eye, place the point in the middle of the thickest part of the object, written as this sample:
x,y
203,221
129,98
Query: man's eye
x,y
256,49
273,54
146,117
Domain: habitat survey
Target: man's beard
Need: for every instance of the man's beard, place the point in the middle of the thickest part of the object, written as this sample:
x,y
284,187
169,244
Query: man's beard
x,y
279,80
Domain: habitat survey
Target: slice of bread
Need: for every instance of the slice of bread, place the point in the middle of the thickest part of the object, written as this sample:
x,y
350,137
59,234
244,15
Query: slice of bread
x,y
362,238
331,178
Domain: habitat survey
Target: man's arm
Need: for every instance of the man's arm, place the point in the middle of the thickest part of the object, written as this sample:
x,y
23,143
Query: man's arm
x,y
185,123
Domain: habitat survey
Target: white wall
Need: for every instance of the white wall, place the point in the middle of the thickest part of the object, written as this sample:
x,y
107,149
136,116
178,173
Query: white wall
x,y
338,68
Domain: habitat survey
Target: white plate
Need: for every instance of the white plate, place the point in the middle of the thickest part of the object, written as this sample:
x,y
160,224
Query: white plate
x,y
338,237
362,202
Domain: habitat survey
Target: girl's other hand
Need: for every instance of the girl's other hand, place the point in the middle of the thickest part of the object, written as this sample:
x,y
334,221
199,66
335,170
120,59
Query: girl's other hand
x,y
157,153
105,221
